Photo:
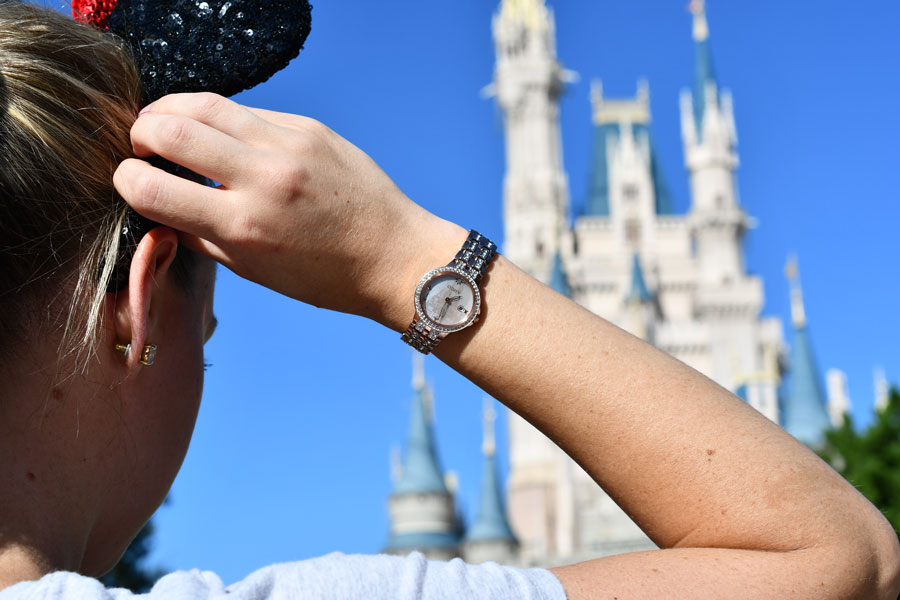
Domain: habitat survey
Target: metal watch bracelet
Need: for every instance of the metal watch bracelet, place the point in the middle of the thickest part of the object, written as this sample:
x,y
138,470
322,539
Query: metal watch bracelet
x,y
472,258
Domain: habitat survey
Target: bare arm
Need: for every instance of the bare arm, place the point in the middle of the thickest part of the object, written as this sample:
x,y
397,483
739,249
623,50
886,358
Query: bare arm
x,y
742,509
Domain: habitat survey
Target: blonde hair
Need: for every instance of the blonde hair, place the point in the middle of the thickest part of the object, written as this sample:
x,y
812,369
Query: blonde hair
x,y
68,97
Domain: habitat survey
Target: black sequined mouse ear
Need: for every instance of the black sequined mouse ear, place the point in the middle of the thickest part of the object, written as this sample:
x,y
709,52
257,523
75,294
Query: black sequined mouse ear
x,y
212,45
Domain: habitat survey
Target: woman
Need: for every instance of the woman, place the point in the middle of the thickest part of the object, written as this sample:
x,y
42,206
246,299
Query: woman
x,y
91,438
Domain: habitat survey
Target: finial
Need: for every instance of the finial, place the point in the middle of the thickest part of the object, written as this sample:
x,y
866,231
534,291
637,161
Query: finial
x,y
881,388
596,91
489,415
428,402
532,13
451,480
701,27
418,379
396,464
643,91
798,312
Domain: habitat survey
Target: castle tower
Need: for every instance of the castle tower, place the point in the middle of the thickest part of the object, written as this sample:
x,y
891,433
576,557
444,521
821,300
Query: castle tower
x,y
710,142
838,397
490,537
626,181
422,510
528,81
803,414
760,389
628,206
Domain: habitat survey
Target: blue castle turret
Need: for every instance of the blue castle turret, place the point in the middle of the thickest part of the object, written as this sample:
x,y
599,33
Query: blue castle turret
x,y
641,312
704,71
803,411
639,291
422,508
619,123
490,537
558,280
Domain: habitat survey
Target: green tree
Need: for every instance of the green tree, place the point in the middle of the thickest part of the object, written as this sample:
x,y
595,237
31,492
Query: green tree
x,y
131,572
870,459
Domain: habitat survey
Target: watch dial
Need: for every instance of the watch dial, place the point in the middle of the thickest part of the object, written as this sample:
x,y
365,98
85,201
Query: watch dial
x,y
448,300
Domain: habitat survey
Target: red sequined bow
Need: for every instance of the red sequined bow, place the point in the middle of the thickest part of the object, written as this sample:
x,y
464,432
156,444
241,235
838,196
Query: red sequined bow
x,y
94,12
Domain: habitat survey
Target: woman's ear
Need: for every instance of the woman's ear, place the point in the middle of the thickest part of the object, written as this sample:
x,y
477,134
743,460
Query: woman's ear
x,y
136,309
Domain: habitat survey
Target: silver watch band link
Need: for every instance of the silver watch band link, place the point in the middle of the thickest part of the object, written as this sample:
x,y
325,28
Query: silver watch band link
x,y
421,337
475,255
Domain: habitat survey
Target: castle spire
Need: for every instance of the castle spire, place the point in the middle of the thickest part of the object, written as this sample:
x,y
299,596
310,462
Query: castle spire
x,y
704,72
798,312
558,280
701,27
421,505
639,292
490,537
420,471
803,414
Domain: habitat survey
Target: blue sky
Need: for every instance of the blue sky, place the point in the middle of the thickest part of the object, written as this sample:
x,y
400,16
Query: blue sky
x,y
301,407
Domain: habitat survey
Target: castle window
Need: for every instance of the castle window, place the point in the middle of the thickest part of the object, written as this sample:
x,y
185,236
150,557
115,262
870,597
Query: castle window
x,y
633,231
630,192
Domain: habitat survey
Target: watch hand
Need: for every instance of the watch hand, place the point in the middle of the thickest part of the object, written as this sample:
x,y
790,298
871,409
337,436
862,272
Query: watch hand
x,y
454,298
444,309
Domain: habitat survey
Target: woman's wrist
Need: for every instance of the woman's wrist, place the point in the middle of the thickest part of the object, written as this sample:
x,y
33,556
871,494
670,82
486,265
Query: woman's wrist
x,y
430,242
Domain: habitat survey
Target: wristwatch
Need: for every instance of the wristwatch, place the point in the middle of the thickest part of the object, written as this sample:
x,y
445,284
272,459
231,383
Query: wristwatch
x,y
448,299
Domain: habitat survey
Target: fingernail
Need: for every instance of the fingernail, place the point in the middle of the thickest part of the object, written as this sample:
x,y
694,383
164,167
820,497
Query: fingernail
x,y
145,110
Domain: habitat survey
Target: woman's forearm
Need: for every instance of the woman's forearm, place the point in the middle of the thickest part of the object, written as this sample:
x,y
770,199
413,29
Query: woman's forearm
x,y
692,464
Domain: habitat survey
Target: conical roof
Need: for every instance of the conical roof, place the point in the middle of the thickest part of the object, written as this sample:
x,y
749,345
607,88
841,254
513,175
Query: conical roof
x,y
421,470
803,412
639,291
704,71
558,279
490,520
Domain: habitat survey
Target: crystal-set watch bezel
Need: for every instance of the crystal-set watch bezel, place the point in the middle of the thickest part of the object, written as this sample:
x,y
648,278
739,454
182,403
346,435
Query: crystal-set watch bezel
x,y
473,314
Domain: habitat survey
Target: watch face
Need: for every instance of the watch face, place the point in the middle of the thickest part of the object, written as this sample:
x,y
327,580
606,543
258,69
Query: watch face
x,y
447,299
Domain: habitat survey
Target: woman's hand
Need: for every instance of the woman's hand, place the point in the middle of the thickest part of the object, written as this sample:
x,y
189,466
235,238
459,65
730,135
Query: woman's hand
x,y
300,210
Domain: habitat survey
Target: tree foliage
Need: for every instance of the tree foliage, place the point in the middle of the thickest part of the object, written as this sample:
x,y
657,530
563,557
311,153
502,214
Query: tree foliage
x,y
870,459
131,572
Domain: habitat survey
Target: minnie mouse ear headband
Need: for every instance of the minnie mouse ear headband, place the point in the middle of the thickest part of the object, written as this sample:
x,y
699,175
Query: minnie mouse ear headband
x,y
197,46
203,46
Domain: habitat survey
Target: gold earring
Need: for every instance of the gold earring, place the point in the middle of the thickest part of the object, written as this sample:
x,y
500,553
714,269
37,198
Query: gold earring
x,y
148,354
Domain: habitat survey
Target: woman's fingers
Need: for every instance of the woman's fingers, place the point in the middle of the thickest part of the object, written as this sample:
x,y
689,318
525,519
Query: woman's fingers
x,y
215,111
189,143
207,248
172,200
272,117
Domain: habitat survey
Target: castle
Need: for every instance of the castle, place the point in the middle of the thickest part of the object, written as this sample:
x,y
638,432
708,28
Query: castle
x,y
676,280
